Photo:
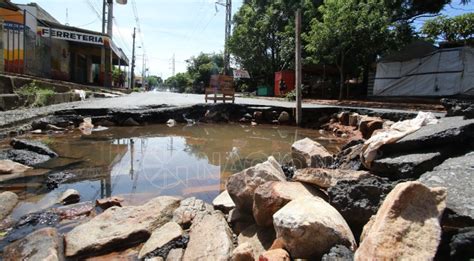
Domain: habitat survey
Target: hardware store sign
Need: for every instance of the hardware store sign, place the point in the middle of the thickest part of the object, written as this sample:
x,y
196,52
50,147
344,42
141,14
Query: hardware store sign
x,y
71,36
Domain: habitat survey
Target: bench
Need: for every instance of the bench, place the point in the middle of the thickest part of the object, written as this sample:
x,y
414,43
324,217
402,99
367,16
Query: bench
x,y
221,89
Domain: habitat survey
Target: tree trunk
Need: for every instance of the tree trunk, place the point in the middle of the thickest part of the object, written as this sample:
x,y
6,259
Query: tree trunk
x,y
341,78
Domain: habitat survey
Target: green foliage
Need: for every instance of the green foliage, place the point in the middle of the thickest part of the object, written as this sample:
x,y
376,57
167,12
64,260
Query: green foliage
x,y
40,95
291,95
350,32
179,82
263,38
458,28
201,67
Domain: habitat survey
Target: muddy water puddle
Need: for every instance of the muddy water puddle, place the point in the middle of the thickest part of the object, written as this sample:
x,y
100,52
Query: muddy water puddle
x,y
139,163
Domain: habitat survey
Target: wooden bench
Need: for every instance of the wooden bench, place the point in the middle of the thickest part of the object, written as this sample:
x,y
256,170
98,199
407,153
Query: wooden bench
x,y
221,89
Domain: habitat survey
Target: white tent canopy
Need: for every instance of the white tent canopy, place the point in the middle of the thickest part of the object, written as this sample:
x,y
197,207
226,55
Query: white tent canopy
x,y
443,72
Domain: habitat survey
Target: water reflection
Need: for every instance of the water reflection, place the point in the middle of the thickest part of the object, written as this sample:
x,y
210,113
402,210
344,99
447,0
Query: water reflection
x,y
158,160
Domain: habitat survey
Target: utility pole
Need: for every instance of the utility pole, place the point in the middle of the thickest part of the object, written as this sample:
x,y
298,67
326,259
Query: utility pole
x,y
109,53
102,53
132,75
228,23
173,64
298,68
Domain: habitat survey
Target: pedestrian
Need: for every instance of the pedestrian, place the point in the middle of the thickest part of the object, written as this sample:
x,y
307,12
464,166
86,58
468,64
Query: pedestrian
x,y
121,80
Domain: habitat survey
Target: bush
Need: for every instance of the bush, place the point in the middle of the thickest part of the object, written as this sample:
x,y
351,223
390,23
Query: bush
x,y
291,96
41,95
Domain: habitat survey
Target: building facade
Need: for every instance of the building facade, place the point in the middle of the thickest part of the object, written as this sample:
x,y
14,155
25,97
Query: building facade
x,y
35,43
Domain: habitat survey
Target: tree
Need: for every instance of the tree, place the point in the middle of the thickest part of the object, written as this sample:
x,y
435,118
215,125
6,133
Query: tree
x,y
179,82
458,28
348,30
201,67
263,40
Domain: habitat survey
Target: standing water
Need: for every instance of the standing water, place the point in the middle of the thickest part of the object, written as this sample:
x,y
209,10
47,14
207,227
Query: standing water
x,y
139,163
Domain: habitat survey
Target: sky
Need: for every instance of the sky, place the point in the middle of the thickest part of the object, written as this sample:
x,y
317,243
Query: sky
x,y
183,28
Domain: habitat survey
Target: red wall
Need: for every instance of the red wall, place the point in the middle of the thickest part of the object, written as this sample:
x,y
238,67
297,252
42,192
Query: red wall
x,y
288,77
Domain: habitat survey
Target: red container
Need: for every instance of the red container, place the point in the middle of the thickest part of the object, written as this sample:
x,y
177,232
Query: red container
x,y
288,78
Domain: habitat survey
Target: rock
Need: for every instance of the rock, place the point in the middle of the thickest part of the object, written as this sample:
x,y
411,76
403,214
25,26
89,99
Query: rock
x,y
358,200
223,202
461,245
190,209
171,123
130,122
106,203
308,153
339,253
343,117
75,211
105,123
244,252
43,244
284,117
24,157
210,239
175,254
448,132
33,146
325,178
241,186
406,226
407,166
367,125
275,255
258,238
349,157
273,195
258,116
456,174
70,196
458,108
8,201
53,180
239,221
10,167
161,237
298,223
119,227
354,120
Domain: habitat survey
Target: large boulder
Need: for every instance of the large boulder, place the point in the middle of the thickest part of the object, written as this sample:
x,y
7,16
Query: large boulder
x,y
8,201
191,209
358,200
449,132
43,244
457,175
34,146
325,178
160,238
461,245
307,153
210,239
406,226
309,227
241,186
406,166
273,195
11,167
119,227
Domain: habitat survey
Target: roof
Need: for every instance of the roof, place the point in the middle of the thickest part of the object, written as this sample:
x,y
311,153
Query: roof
x,y
9,5
41,14
416,49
